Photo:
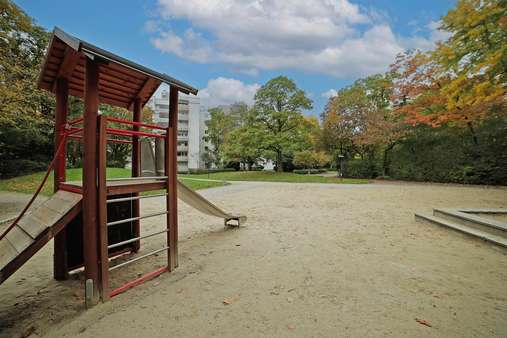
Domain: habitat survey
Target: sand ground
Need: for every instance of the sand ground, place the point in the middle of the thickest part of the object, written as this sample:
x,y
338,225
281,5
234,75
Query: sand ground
x,y
314,260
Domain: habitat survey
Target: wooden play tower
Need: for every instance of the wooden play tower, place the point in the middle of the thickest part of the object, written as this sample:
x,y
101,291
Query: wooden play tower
x,y
99,217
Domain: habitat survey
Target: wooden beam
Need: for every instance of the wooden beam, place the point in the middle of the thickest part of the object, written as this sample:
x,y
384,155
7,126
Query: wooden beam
x,y
171,167
60,268
90,222
136,171
102,209
145,89
67,66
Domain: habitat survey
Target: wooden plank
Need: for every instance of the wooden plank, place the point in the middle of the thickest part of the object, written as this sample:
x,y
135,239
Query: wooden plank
x,y
68,64
120,75
60,271
136,171
19,239
69,196
38,220
146,88
18,260
79,72
127,71
102,209
172,184
127,189
58,205
90,221
7,252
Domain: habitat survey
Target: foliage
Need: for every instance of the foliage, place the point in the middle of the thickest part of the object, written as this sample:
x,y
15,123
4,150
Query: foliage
x,y
308,159
26,125
437,115
474,58
219,125
278,118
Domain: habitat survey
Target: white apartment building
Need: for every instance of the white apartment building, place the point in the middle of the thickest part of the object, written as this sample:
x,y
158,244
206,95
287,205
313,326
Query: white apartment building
x,y
192,127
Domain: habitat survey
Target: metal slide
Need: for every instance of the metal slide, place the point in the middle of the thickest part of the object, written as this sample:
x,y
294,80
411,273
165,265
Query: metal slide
x,y
198,202
152,163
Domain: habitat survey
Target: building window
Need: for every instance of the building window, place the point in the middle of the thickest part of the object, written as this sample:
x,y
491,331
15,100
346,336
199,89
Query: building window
x,y
182,153
182,133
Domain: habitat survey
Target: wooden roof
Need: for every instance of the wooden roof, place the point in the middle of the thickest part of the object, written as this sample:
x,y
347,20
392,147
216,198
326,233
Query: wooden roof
x,y
120,81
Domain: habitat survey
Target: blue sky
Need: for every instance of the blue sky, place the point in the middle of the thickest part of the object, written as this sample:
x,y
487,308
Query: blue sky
x,y
228,48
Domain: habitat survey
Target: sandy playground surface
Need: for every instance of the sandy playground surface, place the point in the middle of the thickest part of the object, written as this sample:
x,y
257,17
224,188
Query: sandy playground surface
x,y
314,260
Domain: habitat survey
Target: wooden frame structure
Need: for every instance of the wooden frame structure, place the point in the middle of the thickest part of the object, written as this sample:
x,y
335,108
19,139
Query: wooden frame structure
x,y
78,68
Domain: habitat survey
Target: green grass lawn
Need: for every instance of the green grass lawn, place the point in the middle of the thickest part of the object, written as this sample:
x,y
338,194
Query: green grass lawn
x,y
29,183
271,176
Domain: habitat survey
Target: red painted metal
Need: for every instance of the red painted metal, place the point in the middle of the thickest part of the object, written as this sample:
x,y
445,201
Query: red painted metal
x,y
70,188
73,131
123,132
79,137
76,121
135,123
138,281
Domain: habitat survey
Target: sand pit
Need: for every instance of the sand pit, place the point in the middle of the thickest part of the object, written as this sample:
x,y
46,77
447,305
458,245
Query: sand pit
x,y
313,260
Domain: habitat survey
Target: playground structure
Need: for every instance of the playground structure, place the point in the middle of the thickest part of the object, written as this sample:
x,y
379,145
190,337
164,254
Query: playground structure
x,y
98,219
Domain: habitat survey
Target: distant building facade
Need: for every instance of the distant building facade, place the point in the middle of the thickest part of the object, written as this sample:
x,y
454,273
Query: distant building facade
x,y
192,117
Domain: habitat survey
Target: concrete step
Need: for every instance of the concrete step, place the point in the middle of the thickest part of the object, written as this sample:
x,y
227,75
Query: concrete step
x,y
481,223
487,236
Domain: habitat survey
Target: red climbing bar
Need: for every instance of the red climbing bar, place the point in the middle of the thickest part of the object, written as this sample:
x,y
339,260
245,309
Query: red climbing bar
x,y
138,281
140,124
122,132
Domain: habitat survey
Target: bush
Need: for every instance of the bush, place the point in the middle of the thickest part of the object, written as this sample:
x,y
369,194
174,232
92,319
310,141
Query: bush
x,y
205,171
308,171
367,168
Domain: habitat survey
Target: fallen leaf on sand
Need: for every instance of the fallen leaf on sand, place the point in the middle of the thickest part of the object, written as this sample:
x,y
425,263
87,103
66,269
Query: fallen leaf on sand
x,y
28,331
227,302
291,327
423,322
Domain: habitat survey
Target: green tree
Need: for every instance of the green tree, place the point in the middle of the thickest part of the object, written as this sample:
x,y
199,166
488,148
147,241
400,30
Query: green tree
x,y
278,118
26,113
475,59
219,125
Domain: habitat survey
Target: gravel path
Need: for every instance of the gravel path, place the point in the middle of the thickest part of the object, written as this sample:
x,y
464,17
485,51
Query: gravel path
x,y
314,260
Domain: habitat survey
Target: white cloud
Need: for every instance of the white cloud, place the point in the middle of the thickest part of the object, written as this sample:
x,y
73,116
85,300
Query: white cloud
x,y
333,37
434,35
191,46
330,93
225,91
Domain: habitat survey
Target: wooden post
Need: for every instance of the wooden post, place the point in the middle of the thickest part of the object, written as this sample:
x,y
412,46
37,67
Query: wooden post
x,y
60,269
102,208
90,224
136,172
171,171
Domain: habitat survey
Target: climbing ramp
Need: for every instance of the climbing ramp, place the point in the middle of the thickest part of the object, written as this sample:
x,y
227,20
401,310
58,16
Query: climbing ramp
x,y
35,229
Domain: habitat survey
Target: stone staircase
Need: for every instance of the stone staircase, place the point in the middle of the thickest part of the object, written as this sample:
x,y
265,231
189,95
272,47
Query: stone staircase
x,y
470,222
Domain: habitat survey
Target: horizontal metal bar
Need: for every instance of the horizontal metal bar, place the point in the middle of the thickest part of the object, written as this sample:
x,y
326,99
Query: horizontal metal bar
x,y
138,178
141,124
138,258
136,218
135,239
133,198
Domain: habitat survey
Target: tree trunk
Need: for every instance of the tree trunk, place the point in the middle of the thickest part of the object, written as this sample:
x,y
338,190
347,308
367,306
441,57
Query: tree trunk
x,y
385,160
279,167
